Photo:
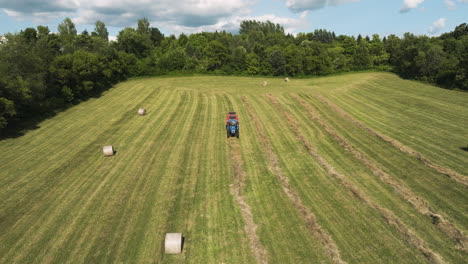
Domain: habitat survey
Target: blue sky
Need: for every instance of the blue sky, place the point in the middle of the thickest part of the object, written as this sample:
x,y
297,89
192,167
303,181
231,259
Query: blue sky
x,y
350,17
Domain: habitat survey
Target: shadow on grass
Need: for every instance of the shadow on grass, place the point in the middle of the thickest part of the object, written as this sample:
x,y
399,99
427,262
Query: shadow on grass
x,y
19,127
182,246
464,148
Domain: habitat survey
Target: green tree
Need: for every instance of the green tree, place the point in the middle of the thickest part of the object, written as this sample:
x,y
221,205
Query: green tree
x,y
239,55
67,33
130,41
216,55
7,110
277,60
294,60
362,59
101,31
156,36
143,26
249,26
173,60
252,62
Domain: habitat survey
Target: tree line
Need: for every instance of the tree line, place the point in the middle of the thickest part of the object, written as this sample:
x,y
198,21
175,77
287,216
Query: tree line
x,y
41,71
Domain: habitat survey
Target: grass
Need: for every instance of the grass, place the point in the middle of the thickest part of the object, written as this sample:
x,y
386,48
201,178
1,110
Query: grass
x,y
315,185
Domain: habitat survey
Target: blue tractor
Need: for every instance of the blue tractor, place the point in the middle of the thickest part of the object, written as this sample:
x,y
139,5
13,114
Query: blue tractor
x,y
232,128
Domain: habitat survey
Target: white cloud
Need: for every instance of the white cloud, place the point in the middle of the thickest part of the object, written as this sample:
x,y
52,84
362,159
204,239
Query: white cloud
x,y
410,4
174,16
120,13
297,6
32,6
450,4
437,26
37,17
191,13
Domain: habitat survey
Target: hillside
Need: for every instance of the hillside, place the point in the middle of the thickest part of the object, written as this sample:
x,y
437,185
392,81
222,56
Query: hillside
x,y
356,168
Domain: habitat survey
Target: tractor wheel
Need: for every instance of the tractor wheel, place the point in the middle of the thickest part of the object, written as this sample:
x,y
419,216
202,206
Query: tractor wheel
x,y
237,134
228,134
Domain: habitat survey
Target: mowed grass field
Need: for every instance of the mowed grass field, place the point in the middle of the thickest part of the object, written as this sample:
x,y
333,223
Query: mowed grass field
x,y
355,168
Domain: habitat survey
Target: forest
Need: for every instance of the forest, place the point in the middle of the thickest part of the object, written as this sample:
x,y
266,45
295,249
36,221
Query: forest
x,y
42,72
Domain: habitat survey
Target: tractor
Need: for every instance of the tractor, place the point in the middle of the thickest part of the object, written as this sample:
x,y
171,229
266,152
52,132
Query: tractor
x,y
232,125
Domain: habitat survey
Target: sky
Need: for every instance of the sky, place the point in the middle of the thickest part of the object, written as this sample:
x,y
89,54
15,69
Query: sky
x,y
349,17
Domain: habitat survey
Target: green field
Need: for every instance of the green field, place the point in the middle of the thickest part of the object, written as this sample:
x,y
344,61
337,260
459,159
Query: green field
x,y
354,168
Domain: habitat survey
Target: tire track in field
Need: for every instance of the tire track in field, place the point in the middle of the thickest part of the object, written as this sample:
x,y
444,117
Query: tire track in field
x,y
237,190
409,236
331,249
417,202
403,148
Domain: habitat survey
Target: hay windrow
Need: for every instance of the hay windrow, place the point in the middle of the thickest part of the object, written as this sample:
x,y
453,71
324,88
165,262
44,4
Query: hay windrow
x,y
405,149
391,219
417,202
236,190
331,249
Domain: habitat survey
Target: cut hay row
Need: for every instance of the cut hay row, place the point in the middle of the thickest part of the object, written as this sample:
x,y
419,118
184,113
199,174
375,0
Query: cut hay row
x,y
168,185
427,119
271,207
203,204
417,202
405,149
310,219
237,189
406,232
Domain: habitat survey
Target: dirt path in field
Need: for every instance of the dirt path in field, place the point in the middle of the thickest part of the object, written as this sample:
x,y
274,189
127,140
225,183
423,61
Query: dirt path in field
x,y
391,219
418,203
440,169
308,216
237,190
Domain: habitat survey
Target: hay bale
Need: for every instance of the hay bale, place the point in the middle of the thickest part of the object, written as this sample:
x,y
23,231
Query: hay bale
x,y
108,151
142,111
286,79
173,243
264,84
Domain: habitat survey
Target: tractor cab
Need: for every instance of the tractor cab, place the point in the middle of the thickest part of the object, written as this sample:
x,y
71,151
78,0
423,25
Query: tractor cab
x,y
232,128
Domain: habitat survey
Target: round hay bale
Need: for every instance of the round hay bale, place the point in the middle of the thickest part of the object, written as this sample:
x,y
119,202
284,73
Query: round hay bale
x,y
108,151
264,84
286,79
173,243
142,111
